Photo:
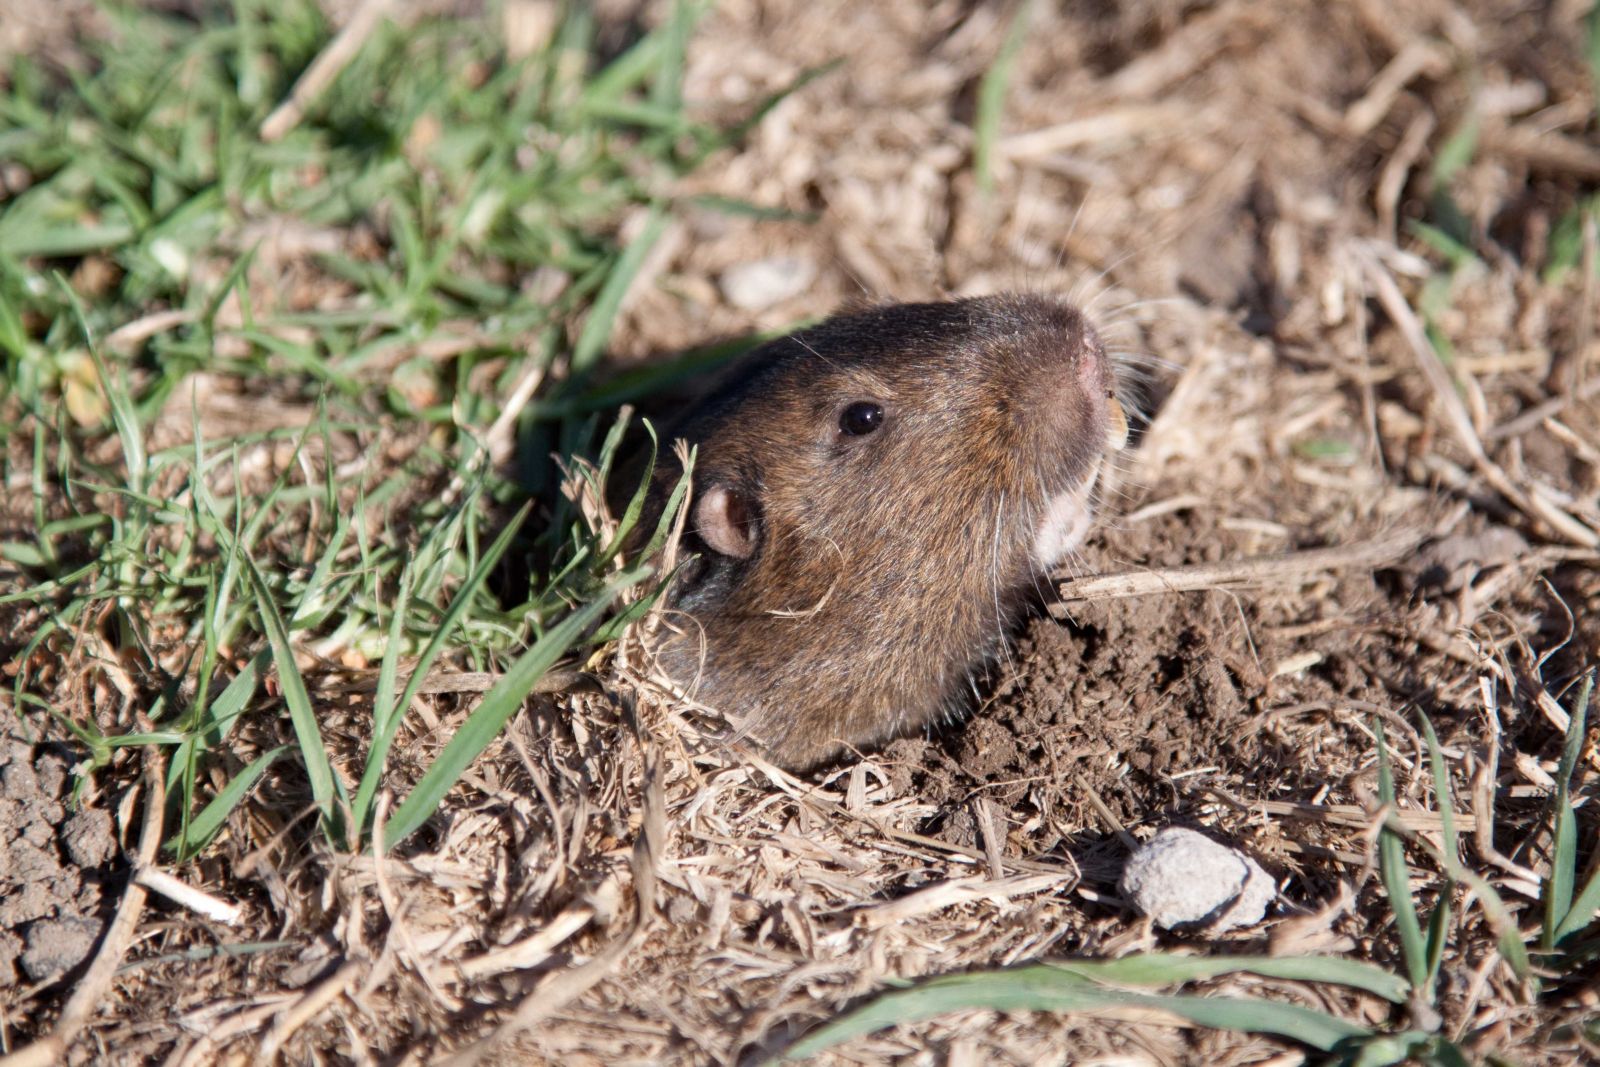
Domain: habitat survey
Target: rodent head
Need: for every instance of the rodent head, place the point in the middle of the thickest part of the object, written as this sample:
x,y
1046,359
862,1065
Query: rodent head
x,y
873,497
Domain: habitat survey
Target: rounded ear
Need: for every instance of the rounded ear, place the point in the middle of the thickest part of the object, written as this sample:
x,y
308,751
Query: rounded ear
x,y
725,521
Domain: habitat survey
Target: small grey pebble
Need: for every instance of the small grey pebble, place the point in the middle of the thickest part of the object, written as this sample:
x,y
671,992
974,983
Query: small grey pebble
x,y
762,283
1182,878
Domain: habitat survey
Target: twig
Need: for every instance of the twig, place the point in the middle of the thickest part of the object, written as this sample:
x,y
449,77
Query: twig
x,y
326,67
554,681
498,441
132,334
956,891
1199,41
563,988
985,813
306,1008
199,1050
1276,569
1392,182
1119,124
1484,784
1418,57
1455,412
1349,815
531,951
1545,151
1535,416
501,437
159,881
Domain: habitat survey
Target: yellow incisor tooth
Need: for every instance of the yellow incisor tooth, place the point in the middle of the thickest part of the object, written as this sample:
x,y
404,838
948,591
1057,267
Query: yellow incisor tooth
x,y
1116,425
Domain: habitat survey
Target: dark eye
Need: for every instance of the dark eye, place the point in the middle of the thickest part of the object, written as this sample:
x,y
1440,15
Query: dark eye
x,y
860,418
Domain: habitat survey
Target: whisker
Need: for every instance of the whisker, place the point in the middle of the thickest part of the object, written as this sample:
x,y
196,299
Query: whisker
x,y
994,580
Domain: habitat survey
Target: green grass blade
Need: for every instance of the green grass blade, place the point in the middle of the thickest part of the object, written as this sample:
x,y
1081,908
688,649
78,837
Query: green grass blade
x,y
1572,744
1390,1049
1457,150
313,605
1396,880
1454,251
1441,787
231,281
216,720
1557,895
669,513
204,826
46,590
1501,919
613,627
242,950
1049,988
1563,916
627,71
433,557
384,700
596,333
60,242
491,715
1159,969
36,485
667,90
23,554
630,515
13,336
1438,934
313,752
387,721
123,415
611,445
744,209
992,98
1582,912
1439,922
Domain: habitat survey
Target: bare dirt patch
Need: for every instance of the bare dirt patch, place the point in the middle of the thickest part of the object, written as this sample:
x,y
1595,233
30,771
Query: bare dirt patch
x,y
52,865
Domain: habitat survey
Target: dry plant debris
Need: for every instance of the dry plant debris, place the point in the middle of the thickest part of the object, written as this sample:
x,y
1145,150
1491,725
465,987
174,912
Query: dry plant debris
x,y
1349,252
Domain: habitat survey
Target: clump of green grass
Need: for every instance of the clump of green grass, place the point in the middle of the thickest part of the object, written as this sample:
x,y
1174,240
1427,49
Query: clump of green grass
x,y
992,97
434,176
1562,952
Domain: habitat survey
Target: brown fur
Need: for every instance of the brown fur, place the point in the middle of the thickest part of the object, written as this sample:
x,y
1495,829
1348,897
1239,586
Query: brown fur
x,y
862,578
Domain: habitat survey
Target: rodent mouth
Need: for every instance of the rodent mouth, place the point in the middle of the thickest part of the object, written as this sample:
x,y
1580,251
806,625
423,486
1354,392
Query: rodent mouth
x,y
1069,514
1067,518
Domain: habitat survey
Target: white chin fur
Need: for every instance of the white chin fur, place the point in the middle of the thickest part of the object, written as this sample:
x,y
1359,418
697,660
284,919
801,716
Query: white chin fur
x,y
1066,523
